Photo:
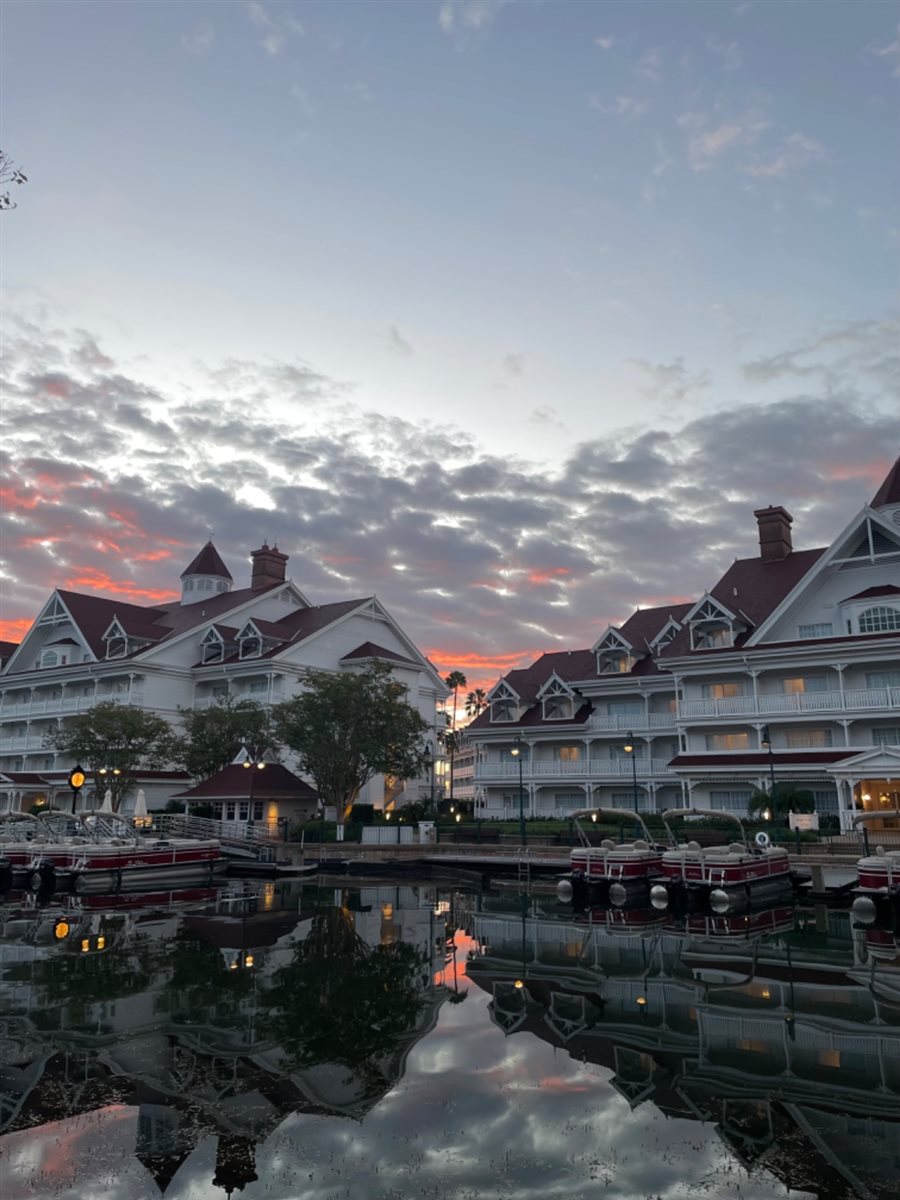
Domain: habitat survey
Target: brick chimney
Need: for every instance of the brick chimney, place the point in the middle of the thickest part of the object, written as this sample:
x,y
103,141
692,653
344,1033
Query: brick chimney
x,y
774,532
268,566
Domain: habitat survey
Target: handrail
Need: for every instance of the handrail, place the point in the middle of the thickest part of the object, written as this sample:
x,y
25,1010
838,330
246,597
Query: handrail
x,y
611,814
870,816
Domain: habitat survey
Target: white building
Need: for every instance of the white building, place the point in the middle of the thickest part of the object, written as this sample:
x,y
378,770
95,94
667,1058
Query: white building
x,y
789,667
253,642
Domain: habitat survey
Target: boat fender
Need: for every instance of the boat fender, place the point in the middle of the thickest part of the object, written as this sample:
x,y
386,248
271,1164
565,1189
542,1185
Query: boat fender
x,y
43,878
565,891
659,896
719,900
762,840
617,894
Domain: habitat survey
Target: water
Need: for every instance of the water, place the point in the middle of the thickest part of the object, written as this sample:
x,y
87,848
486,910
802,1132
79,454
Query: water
x,y
393,1041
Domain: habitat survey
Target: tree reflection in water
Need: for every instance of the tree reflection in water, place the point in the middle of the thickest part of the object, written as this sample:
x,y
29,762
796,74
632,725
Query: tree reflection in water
x,y
340,1000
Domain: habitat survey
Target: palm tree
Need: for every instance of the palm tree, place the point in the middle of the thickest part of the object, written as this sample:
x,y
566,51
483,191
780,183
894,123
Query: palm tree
x,y
455,680
476,702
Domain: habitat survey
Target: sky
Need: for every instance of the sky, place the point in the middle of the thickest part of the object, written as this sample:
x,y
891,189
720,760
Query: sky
x,y
507,311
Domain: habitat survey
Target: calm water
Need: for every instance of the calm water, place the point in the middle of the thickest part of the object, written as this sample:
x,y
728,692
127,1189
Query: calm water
x,y
412,1041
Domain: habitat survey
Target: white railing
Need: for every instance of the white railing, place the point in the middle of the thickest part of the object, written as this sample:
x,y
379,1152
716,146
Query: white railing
x,y
9,745
585,768
632,721
67,704
778,703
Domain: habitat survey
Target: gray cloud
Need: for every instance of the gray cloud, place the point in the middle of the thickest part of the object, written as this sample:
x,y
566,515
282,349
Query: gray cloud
x,y
113,482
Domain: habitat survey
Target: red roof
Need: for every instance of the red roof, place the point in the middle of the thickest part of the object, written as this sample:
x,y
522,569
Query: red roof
x,y
371,650
207,562
760,758
889,492
7,648
887,589
236,782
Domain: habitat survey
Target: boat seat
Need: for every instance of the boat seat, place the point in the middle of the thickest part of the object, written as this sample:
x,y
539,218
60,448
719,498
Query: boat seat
x,y
640,844
607,844
737,848
694,847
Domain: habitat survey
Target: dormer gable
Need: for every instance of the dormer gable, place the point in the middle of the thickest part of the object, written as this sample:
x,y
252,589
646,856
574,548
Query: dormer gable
x,y
886,500
712,624
557,700
669,631
256,638
614,653
118,641
216,644
505,702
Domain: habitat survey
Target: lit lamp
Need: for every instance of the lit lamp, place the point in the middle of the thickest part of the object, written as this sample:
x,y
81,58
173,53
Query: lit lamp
x,y
252,761
516,752
629,750
76,783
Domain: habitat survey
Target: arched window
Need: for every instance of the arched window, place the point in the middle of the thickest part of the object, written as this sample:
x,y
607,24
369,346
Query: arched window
x,y
49,658
879,620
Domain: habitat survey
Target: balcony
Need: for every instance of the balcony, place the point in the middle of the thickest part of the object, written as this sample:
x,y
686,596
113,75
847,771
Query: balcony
x,y
853,700
632,721
62,705
538,769
16,745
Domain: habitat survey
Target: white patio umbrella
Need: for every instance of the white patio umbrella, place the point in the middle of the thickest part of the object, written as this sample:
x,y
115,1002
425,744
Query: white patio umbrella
x,y
140,814
106,806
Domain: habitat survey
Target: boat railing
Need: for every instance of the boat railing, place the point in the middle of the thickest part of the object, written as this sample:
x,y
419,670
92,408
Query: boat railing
x,y
673,814
615,816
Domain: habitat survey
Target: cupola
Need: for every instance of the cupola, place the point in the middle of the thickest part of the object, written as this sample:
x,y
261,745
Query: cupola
x,y
206,576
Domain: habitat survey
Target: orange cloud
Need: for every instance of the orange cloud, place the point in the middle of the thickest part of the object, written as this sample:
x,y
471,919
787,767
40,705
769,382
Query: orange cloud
x,y
98,581
14,631
547,574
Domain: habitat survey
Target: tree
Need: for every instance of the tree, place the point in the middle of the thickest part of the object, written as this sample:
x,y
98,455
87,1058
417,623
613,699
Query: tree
x,y
455,680
786,800
346,728
476,702
341,1001
213,736
113,742
9,173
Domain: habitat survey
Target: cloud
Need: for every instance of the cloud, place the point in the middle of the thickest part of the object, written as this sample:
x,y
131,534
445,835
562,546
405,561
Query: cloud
x,y
707,141
797,151
728,53
514,364
398,343
273,39
460,16
199,41
890,52
605,43
112,482
621,106
650,65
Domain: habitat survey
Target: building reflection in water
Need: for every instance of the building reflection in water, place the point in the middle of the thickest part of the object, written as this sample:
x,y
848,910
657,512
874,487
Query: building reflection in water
x,y
780,1027
219,1014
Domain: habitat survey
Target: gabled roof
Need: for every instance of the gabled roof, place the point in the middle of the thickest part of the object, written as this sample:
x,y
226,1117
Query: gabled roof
x,y
236,782
889,492
754,588
7,649
207,562
887,589
371,650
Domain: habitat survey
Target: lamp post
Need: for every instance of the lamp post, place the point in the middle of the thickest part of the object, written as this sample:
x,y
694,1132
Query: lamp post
x,y
516,752
254,760
766,740
629,750
76,783
429,766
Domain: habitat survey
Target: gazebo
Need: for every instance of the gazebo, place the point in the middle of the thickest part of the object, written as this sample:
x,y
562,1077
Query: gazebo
x,y
247,792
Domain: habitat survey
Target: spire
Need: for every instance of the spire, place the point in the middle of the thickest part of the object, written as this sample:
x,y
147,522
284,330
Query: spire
x,y
889,492
206,575
207,562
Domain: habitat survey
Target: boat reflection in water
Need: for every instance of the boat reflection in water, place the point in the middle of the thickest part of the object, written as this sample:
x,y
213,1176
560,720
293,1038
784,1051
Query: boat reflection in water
x,y
782,1026
220,1017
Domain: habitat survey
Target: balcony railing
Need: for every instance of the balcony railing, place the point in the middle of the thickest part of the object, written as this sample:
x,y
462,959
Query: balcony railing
x,y
67,704
584,769
632,721
17,744
788,703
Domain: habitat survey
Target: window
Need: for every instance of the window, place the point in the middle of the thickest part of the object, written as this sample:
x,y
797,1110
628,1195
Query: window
x,y
221,587
880,679
806,739
229,810
189,585
722,691
886,737
730,801
804,683
879,620
569,753
616,664
816,630
503,709
245,810
258,687
257,810
826,801
50,658
625,708
727,741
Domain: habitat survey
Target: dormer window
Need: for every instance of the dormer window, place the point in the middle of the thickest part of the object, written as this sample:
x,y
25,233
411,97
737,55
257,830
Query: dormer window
x,y
504,703
712,625
53,658
250,642
556,700
615,654
115,640
212,648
